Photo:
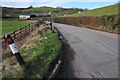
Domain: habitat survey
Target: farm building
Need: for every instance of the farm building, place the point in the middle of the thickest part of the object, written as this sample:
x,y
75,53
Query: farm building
x,y
24,17
39,15
32,15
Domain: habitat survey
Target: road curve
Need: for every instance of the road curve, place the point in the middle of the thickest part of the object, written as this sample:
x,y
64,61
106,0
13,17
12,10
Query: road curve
x,y
96,52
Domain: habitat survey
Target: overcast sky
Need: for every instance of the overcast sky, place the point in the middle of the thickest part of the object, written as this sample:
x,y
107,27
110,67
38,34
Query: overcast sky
x,y
90,4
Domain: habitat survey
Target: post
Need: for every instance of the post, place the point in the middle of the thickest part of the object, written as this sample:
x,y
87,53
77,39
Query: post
x,y
4,38
14,49
20,31
51,25
14,35
29,26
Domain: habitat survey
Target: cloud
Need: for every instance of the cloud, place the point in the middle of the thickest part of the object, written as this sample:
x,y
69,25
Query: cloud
x,y
38,3
54,4
59,1
15,4
17,0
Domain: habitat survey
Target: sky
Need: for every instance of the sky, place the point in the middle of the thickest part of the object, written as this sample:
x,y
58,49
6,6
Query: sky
x,y
90,4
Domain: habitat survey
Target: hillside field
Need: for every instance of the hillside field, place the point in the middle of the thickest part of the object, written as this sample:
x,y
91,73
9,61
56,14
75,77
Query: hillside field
x,y
10,26
108,10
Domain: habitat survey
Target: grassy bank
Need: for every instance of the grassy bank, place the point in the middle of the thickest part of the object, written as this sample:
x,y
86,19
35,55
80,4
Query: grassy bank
x,y
108,10
10,26
38,52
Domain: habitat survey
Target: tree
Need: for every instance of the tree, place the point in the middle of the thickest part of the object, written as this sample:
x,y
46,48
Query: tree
x,y
86,9
30,7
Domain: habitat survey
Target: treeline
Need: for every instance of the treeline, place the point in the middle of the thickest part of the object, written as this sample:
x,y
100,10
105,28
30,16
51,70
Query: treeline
x,y
8,12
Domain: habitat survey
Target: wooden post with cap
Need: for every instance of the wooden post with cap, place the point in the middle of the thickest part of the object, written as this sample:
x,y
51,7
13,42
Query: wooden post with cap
x,y
51,25
14,49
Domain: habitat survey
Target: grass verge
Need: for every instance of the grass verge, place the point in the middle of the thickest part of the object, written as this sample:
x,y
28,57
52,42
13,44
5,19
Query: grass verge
x,y
38,53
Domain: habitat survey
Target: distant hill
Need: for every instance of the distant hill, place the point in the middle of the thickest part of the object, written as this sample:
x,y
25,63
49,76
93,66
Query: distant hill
x,y
8,12
42,9
108,10
55,12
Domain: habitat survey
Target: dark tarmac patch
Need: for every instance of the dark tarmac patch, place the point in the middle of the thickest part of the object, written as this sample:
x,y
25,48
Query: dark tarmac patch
x,y
66,69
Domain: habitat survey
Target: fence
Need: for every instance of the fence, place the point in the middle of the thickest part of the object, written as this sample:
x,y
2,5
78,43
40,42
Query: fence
x,y
18,35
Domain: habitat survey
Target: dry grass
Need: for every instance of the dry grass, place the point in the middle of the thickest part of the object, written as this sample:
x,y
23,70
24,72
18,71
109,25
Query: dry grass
x,y
38,52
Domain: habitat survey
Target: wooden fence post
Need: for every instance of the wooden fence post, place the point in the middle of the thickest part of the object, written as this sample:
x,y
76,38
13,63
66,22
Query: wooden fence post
x,y
4,38
29,26
14,34
20,30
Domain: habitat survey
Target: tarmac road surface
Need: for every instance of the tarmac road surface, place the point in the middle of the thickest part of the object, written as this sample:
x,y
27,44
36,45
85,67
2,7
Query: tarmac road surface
x,y
95,53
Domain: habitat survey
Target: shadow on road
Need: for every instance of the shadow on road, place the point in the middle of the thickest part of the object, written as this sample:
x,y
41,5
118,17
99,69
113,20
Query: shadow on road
x,y
66,69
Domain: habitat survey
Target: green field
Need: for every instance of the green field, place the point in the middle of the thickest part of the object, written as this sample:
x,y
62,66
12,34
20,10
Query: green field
x,y
108,10
10,26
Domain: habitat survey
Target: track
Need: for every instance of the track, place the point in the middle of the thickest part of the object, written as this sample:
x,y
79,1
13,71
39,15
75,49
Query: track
x,y
95,53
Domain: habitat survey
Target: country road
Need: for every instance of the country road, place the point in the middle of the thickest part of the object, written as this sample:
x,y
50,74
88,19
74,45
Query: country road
x,y
95,52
